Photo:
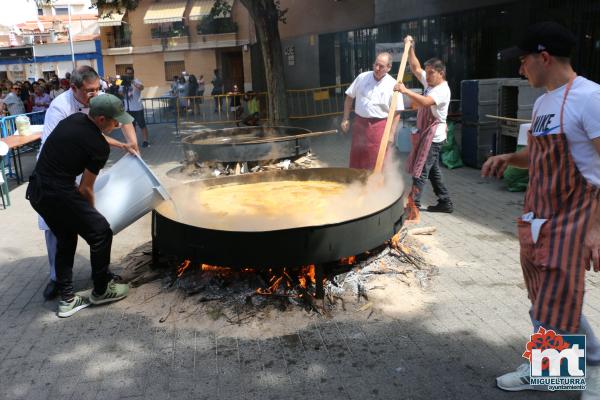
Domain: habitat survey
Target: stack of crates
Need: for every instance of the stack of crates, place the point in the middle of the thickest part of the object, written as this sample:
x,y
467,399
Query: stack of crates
x,y
505,97
516,101
479,98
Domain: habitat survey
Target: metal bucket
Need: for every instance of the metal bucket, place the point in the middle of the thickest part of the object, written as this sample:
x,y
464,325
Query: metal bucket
x,y
127,191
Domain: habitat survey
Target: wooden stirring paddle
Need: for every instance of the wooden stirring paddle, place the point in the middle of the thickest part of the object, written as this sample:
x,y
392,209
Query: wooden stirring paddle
x,y
390,118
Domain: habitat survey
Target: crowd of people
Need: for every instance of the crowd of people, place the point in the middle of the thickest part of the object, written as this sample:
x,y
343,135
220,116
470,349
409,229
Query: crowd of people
x,y
189,91
20,97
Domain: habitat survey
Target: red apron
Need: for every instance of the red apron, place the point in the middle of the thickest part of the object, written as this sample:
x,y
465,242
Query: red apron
x,y
366,139
554,265
421,141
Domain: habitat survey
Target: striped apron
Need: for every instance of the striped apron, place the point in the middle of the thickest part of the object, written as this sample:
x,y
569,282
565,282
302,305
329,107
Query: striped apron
x,y
421,141
553,258
366,139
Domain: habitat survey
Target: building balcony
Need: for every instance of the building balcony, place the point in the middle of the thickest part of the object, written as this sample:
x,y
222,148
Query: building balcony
x,y
118,42
175,32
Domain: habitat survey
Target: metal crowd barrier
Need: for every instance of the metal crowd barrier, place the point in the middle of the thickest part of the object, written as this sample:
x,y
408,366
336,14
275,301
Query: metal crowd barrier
x,y
218,109
8,127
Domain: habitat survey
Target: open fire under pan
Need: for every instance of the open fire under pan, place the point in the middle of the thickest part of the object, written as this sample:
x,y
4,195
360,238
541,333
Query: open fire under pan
x,y
246,144
294,247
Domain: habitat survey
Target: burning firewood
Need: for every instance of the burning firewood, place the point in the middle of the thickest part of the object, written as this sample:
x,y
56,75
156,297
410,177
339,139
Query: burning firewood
x,y
237,296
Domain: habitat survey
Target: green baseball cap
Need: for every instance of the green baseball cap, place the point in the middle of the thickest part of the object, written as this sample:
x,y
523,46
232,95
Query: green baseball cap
x,y
109,106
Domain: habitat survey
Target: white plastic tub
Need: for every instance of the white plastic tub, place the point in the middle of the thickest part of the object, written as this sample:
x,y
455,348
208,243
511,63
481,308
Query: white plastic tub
x,y
127,191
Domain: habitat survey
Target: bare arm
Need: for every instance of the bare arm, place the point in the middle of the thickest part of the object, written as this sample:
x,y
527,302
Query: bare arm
x,y
413,61
86,186
420,100
495,166
592,238
395,122
347,108
120,145
130,136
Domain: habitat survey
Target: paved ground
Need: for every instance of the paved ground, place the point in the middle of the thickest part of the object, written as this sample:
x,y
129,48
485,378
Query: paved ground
x,y
470,327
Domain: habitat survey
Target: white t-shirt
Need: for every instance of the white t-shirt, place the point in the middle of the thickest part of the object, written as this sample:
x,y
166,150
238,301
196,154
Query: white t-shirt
x,y
441,95
581,122
132,100
373,97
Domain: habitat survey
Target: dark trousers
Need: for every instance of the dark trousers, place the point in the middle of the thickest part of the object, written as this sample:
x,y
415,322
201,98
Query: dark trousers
x,y
68,214
433,172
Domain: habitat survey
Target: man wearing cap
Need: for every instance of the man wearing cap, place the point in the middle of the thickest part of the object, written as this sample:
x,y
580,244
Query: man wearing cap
x,y
559,231
85,84
372,93
78,145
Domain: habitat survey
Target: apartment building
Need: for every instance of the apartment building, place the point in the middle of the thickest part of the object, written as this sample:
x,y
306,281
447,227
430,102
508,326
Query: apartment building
x,y
161,39
34,38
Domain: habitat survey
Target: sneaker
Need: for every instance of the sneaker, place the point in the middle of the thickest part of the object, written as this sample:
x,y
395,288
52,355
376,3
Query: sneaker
x,y
442,206
68,308
114,292
51,290
145,144
518,380
592,383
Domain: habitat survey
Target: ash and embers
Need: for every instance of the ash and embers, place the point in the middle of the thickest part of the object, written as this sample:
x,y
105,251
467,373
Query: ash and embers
x,y
239,296
192,169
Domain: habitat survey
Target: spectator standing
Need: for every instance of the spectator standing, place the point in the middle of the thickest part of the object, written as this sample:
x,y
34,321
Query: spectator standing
x,y
201,87
132,93
174,85
56,90
192,91
13,101
182,91
25,95
41,99
217,90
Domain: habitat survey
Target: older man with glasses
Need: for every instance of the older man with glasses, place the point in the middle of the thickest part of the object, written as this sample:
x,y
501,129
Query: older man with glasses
x,y
372,91
13,101
85,84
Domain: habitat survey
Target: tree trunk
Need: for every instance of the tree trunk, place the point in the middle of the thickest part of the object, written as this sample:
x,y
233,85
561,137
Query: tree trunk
x,y
265,15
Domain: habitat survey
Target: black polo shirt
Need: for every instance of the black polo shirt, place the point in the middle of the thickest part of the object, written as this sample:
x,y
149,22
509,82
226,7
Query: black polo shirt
x,y
76,144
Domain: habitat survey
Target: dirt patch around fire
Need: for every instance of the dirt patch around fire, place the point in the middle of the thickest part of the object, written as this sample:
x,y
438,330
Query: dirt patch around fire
x,y
393,282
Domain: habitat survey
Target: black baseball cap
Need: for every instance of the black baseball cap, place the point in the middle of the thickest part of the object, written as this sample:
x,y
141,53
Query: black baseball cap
x,y
544,36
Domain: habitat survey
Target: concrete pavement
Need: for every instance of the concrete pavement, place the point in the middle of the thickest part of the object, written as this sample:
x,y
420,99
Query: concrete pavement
x,y
450,343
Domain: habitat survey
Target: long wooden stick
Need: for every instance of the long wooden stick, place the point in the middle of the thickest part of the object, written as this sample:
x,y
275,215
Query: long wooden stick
x,y
524,121
285,138
390,118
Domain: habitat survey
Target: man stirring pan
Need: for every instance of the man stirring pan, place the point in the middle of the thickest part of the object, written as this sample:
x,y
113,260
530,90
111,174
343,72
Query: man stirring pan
x,y
559,231
372,92
424,159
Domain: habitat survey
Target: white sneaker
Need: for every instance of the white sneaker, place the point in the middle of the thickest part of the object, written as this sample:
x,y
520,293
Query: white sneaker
x,y
518,380
592,383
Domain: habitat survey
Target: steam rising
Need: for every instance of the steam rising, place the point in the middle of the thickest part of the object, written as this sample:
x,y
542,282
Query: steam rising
x,y
355,200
